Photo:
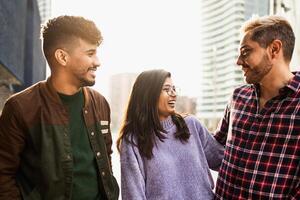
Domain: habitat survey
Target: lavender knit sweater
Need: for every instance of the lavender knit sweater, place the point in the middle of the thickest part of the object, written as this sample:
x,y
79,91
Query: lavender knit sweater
x,y
177,171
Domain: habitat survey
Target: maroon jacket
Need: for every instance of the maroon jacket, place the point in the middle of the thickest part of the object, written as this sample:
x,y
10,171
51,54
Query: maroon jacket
x,y
35,149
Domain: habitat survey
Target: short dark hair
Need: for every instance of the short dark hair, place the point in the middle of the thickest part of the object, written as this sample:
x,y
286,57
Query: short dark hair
x,y
265,30
141,119
62,30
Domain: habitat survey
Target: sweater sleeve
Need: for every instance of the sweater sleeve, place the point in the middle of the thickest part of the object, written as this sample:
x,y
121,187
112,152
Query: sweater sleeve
x,y
223,126
132,173
214,151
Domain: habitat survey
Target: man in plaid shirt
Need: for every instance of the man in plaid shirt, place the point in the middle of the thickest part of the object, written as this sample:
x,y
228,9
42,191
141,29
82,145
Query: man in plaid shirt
x,y
261,124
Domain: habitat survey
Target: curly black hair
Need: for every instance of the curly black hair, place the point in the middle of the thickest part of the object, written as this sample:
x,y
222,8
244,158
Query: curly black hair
x,y
58,31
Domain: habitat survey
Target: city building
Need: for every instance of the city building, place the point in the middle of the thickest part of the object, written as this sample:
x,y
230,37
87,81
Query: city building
x,y
290,9
21,59
120,89
45,9
186,105
221,24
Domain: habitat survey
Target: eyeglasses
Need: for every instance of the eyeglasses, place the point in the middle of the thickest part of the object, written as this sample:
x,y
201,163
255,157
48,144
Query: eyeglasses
x,y
171,90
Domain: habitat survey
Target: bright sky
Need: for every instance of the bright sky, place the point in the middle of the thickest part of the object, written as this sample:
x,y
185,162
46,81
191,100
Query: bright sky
x,y
144,34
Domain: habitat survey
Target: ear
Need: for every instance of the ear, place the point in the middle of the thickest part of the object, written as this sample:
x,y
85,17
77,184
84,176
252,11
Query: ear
x,y
275,48
61,56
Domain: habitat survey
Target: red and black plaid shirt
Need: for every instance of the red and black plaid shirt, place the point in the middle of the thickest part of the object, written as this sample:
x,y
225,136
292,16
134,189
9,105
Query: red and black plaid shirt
x,y
262,155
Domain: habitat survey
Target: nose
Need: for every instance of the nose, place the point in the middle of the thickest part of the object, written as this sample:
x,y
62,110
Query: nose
x,y
97,61
173,92
239,61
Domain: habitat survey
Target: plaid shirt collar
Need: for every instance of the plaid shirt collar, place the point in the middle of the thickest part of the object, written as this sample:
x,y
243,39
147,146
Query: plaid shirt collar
x,y
292,87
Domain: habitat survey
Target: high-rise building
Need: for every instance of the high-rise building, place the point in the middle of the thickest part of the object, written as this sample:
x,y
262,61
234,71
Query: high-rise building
x,y
21,59
186,105
221,24
120,89
290,10
45,9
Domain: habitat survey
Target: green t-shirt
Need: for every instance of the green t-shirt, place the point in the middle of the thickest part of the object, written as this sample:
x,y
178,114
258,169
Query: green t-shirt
x,y
85,177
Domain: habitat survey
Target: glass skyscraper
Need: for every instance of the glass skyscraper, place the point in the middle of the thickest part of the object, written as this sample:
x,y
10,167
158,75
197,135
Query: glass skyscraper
x,y
221,23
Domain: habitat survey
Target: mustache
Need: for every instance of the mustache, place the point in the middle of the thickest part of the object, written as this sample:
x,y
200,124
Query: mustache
x,y
92,68
245,66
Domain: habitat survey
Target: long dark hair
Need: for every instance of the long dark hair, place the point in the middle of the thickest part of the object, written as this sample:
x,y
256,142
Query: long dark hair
x,y
141,118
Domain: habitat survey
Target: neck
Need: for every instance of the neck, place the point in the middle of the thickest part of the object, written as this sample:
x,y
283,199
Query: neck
x,y
62,85
276,79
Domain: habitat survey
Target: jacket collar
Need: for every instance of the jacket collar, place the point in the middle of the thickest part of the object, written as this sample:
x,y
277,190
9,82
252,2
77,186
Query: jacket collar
x,y
52,94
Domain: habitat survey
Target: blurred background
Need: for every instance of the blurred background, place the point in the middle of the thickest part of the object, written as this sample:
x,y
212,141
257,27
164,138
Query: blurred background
x,y
196,40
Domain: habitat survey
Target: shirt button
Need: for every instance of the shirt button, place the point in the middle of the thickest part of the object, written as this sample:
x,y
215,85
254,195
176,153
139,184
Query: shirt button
x,y
103,173
65,130
85,111
92,133
98,154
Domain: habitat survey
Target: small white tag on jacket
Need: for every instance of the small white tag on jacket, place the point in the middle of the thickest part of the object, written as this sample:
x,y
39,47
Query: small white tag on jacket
x,y
103,123
104,131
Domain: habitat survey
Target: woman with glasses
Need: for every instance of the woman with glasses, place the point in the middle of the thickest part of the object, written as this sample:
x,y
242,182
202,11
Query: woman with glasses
x,y
163,154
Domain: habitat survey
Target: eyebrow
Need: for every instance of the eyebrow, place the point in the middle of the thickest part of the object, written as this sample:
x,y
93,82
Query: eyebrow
x,y
245,46
90,50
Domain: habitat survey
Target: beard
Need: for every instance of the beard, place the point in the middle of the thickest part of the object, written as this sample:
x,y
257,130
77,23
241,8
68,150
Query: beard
x,y
256,73
84,82
84,78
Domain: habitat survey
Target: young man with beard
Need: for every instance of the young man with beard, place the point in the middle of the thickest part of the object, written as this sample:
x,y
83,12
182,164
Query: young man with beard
x,y
261,124
55,135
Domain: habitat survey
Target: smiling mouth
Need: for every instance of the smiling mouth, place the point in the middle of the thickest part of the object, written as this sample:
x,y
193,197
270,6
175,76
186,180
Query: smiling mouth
x,y
92,72
245,70
172,103
92,69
